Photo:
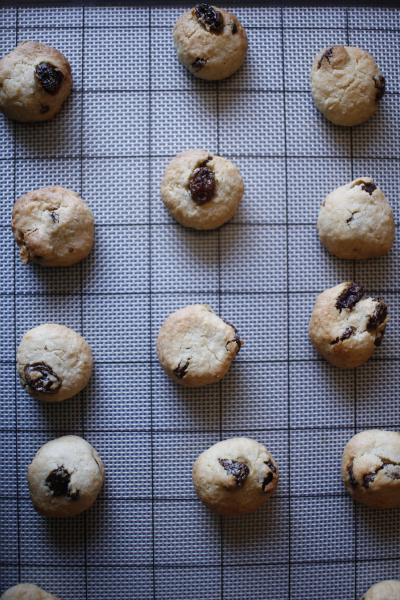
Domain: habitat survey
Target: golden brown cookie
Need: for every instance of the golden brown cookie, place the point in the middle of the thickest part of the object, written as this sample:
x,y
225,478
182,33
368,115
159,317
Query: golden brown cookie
x,y
384,590
26,591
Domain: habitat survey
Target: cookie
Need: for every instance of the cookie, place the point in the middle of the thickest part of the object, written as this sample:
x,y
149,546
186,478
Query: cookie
x,y
346,327
201,190
53,227
235,477
26,591
384,590
65,477
356,222
346,85
371,468
195,347
210,42
53,362
35,79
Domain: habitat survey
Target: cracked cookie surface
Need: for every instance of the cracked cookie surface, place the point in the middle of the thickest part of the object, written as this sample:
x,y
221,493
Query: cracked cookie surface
x,y
53,362
210,42
384,590
371,468
53,227
201,190
195,347
235,476
26,591
356,221
346,85
35,79
65,477
345,326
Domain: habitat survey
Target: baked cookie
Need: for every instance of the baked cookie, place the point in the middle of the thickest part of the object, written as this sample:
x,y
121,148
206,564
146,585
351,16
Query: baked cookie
x,y
35,79
210,42
26,591
371,468
65,477
346,85
234,477
195,347
53,227
201,190
384,590
346,327
356,222
53,362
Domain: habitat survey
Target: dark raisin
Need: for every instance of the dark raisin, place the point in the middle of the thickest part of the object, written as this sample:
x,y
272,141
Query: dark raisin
x,y
347,334
202,185
59,483
42,379
350,296
379,315
239,470
369,188
234,27
370,476
209,18
181,370
271,466
237,339
380,83
54,217
392,474
326,55
267,481
378,340
49,77
44,109
352,481
199,63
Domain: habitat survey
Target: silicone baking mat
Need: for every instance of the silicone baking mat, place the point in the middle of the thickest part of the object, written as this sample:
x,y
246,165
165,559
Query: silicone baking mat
x,y
132,108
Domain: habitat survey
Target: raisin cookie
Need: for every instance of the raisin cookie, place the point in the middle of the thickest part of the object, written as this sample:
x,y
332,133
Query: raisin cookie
x,y
346,85
210,42
65,477
384,590
53,227
235,477
35,79
26,591
356,221
371,468
53,362
346,327
195,347
201,190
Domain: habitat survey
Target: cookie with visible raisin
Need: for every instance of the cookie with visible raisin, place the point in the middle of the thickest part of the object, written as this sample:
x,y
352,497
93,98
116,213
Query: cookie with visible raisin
x,y
35,79
371,468
356,221
346,85
195,347
53,362
210,42
53,227
384,590
26,591
235,477
65,477
201,190
346,327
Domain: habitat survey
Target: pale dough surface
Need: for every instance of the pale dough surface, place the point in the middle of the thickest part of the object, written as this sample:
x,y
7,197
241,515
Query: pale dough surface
x,y
26,591
80,465
384,590
229,495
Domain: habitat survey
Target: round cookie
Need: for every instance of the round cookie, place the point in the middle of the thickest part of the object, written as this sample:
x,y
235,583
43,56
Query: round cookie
x,y
201,190
53,227
346,85
195,347
235,477
65,477
384,590
35,79
210,42
53,362
356,222
371,468
345,326
26,591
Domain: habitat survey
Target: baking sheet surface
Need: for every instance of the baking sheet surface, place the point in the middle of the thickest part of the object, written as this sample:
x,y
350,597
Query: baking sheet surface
x,y
133,107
